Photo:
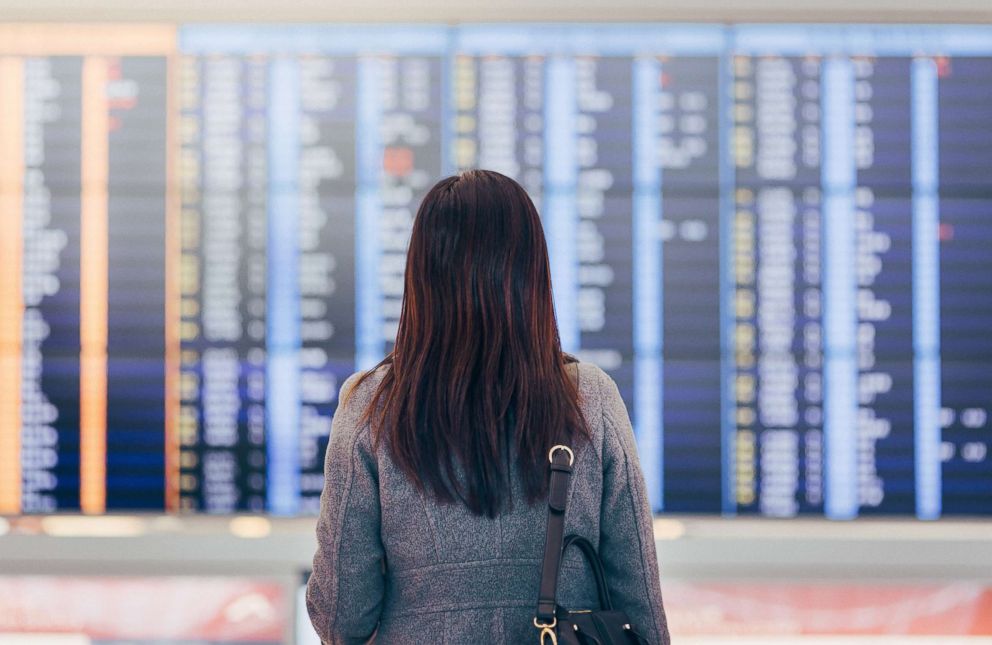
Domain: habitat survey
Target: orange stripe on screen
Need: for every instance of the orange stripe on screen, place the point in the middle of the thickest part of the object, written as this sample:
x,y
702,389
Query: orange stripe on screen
x,y
11,291
93,288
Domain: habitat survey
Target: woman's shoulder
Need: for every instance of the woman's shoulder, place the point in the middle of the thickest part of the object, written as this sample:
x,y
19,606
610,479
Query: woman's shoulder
x,y
594,383
354,397
359,388
351,425
599,397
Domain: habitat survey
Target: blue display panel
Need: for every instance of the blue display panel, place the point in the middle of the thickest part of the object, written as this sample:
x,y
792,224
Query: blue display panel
x,y
875,430
773,238
225,195
616,135
322,141
964,195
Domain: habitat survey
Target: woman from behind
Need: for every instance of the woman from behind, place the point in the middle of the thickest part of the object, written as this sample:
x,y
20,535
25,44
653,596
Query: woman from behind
x,y
433,513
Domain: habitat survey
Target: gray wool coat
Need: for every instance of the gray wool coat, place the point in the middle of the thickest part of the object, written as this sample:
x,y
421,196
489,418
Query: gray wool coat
x,y
395,567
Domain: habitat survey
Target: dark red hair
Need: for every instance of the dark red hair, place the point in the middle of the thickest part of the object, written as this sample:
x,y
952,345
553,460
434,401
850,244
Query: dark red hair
x,y
476,386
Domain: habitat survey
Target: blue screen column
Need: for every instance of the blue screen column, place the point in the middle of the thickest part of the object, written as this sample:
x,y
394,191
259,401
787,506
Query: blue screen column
x,y
840,291
283,369
561,217
368,310
728,314
648,396
926,289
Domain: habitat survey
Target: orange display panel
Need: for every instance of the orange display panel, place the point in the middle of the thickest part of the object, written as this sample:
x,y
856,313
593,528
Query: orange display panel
x,y
85,173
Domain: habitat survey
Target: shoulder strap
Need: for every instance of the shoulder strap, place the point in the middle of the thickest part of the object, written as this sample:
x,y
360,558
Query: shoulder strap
x,y
561,458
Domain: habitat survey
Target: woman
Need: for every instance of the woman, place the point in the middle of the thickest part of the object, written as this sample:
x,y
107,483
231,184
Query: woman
x,y
433,512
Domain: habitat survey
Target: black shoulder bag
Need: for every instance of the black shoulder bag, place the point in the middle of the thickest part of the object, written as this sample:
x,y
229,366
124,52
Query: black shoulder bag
x,y
557,625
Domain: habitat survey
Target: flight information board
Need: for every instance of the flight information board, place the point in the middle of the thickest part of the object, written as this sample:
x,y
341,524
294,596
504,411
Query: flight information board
x,y
774,238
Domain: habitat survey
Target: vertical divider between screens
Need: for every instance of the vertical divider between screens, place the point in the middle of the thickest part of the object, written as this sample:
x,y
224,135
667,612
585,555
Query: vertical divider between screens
x,y
648,286
728,423
368,310
840,291
283,316
560,173
926,289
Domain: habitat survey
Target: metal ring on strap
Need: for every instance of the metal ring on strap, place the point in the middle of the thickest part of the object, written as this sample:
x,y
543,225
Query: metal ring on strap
x,y
551,453
551,625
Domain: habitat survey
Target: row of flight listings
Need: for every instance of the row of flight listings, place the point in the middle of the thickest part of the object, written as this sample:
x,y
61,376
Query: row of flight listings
x,y
778,250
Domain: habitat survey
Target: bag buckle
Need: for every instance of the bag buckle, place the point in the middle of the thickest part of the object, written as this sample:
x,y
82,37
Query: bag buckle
x,y
551,453
547,630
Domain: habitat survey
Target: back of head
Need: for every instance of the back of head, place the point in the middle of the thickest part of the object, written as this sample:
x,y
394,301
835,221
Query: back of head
x,y
477,379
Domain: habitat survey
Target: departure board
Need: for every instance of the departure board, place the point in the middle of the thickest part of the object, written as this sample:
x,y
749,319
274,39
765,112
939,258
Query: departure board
x,y
775,239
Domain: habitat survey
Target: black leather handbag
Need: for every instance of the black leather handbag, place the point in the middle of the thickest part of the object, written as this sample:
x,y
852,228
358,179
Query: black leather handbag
x,y
557,625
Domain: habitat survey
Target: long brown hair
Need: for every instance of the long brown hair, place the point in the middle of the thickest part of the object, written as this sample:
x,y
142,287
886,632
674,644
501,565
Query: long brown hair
x,y
477,380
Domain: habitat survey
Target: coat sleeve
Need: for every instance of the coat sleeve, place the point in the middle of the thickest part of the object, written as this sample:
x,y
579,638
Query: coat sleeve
x,y
627,545
345,590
